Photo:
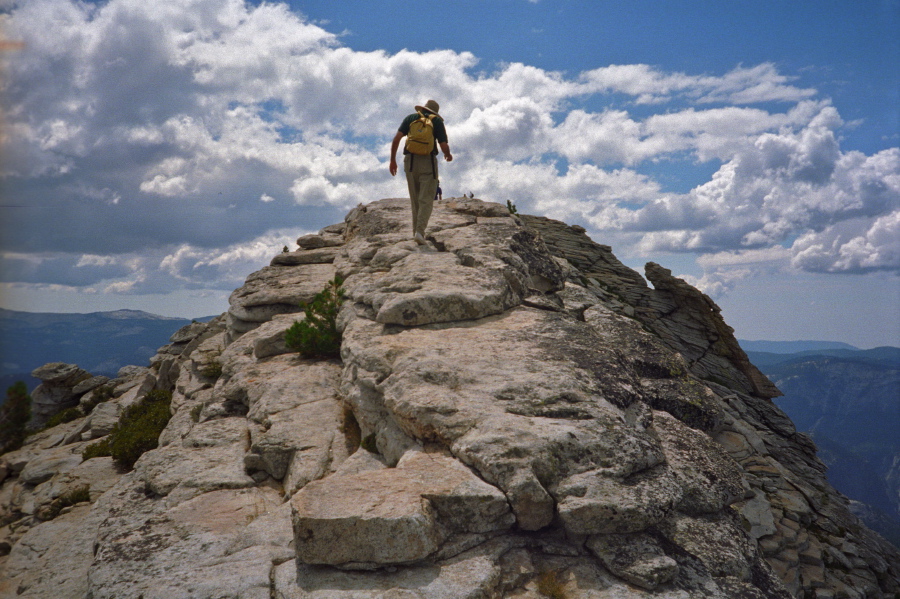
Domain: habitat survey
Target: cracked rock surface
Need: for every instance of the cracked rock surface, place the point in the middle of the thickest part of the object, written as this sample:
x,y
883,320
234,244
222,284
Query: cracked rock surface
x,y
512,408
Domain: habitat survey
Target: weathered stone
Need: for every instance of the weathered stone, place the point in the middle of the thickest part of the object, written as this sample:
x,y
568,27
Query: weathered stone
x,y
98,475
716,541
700,311
305,434
51,559
188,332
278,290
89,384
639,559
60,374
708,477
315,241
138,386
591,503
516,413
103,418
393,515
194,470
470,575
281,383
192,549
324,255
132,371
269,337
431,288
758,513
50,463
56,391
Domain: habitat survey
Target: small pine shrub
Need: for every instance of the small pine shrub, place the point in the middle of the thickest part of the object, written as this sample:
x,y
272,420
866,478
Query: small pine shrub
x,y
511,207
136,432
75,496
67,415
317,336
368,443
14,416
96,450
213,370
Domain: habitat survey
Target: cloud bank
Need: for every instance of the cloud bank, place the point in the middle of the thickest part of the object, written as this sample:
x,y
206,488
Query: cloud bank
x,y
178,145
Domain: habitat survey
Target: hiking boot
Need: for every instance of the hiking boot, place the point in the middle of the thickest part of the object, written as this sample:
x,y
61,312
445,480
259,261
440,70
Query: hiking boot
x,y
420,239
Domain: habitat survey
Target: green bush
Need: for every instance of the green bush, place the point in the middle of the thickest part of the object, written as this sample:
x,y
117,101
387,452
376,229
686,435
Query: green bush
x,y
67,415
213,370
14,416
369,443
317,336
511,207
77,495
136,432
96,450
74,496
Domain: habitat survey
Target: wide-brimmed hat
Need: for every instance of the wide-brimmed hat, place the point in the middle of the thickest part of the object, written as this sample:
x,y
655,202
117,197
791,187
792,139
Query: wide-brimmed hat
x,y
430,106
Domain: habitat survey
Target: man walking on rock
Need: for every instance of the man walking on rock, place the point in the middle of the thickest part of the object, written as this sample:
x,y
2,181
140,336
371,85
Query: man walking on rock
x,y
424,131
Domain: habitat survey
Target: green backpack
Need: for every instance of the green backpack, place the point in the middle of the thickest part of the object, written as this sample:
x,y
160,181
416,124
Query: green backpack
x,y
420,139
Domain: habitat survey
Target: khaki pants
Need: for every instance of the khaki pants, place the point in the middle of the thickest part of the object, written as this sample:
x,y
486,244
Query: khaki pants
x,y
422,179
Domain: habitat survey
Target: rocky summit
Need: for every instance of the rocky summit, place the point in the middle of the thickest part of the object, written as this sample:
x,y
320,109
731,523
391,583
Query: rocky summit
x,y
514,414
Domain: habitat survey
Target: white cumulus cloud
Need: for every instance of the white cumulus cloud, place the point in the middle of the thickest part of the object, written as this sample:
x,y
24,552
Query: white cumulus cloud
x,y
158,145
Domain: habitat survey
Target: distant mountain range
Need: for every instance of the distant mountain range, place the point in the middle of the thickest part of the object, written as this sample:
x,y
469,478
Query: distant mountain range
x,y
99,342
848,400
793,347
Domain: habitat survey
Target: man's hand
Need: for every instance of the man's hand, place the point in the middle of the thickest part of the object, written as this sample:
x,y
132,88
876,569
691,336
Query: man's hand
x,y
393,167
445,148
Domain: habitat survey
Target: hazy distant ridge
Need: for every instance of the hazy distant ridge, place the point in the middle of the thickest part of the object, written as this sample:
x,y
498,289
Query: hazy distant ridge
x,y
100,342
849,401
792,347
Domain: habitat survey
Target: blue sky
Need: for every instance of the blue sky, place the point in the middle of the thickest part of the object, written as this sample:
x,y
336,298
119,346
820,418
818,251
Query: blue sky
x,y
156,154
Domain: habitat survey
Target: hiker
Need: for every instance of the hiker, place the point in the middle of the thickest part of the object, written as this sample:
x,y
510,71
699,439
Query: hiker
x,y
421,129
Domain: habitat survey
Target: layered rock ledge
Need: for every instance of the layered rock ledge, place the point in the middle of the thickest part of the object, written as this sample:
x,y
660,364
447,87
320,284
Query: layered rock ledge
x,y
512,408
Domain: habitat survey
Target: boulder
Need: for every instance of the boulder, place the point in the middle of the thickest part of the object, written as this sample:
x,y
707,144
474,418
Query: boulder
x,y
591,503
194,470
277,290
639,559
50,463
431,288
56,391
393,516
323,255
60,374
89,384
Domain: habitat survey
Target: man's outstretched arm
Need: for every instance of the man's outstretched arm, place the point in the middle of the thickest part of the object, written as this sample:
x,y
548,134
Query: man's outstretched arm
x,y
394,145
